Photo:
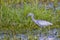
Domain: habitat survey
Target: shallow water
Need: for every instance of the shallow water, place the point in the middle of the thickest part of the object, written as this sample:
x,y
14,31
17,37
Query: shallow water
x,y
52,35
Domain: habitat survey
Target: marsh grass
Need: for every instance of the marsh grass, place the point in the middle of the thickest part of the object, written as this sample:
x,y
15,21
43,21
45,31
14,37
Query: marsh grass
x,y
14,18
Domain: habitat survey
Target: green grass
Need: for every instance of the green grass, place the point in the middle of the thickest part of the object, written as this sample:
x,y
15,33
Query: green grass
x,y
14,18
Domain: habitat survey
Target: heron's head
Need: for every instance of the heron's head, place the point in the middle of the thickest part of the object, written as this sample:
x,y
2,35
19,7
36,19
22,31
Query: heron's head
x,y
30,14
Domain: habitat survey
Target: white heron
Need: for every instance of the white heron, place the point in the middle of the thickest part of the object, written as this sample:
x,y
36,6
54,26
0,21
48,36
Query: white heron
x,y
41,23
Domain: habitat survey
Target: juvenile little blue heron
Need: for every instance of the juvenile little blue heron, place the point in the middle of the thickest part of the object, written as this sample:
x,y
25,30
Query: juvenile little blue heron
x,y
41,23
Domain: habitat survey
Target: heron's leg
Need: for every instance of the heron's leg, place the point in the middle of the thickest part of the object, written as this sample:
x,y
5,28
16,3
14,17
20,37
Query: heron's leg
x,y
49,33
41,29
49,28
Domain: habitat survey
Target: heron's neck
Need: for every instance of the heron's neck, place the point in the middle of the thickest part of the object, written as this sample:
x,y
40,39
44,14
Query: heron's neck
x,y
33,18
